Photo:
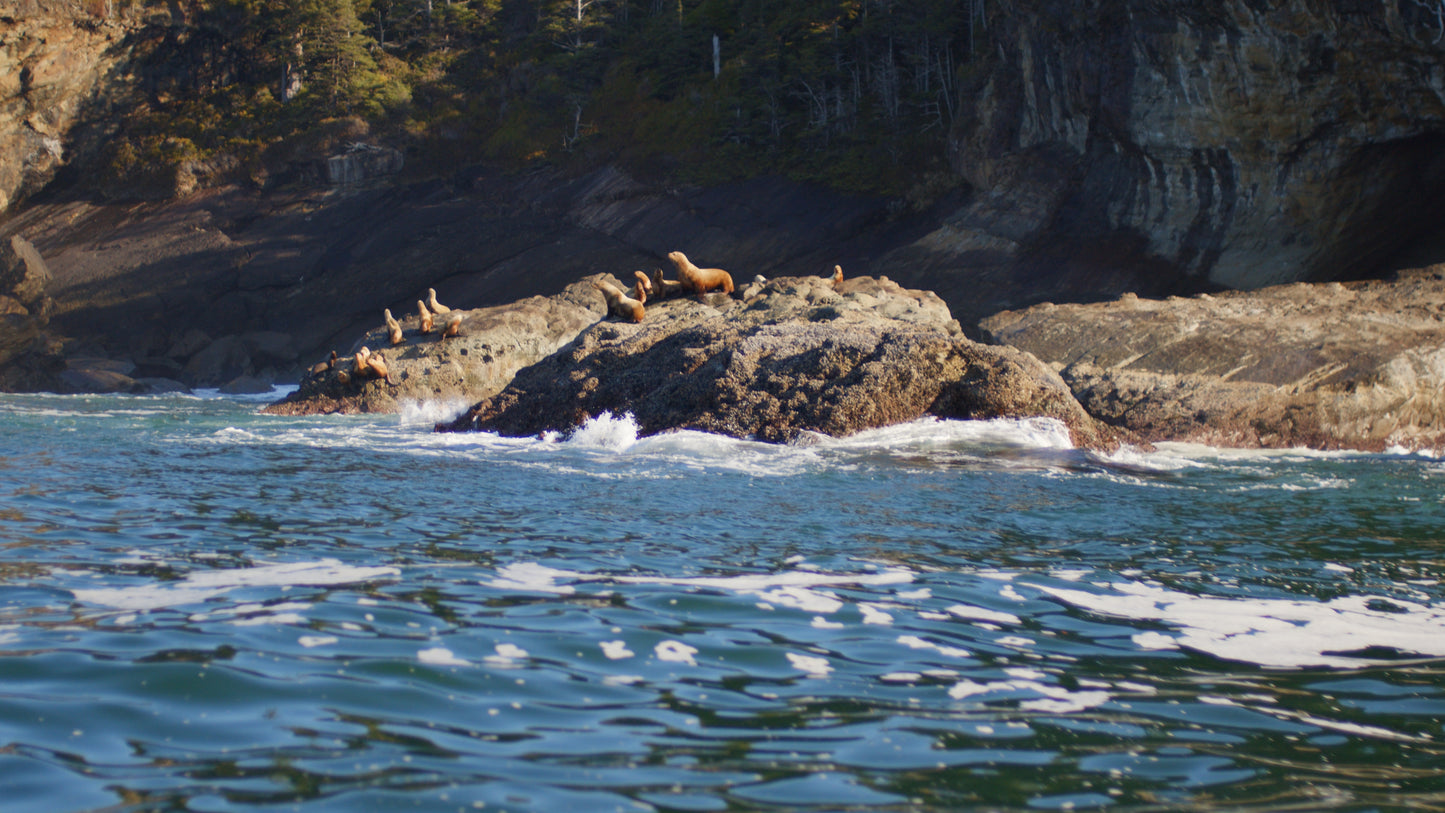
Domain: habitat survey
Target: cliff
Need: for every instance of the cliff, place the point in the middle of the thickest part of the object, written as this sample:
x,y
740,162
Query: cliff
x,y
1096,146
64,72
1172,146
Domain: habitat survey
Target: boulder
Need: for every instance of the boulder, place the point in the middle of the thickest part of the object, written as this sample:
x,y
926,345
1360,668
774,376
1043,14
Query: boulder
x,y
493,344
246,385
221,360
92,375
24,306
1357,365
796,356
23,273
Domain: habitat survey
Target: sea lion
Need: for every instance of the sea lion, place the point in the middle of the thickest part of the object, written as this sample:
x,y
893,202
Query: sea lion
x,y
426,320
700,280
452,326
320,368
393,328
663,288
621,305
359,367
378,369
436,307
643,281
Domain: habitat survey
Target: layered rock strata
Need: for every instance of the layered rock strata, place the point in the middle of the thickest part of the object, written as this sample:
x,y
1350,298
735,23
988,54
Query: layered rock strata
x,y
1330,366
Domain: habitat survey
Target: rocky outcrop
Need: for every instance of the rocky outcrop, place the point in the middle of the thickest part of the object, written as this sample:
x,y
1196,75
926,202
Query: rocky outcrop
x,y
24,312
491,346
792,356
1356,365
1124,145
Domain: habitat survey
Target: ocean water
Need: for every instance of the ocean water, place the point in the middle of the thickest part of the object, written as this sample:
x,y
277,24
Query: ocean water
x,y
203,608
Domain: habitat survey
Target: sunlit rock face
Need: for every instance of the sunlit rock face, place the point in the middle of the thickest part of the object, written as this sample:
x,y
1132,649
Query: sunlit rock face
x,y
1235,142
63,63
1355,365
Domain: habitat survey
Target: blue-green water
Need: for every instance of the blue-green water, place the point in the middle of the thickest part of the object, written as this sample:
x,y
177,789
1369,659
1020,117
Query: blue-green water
x,y
204,608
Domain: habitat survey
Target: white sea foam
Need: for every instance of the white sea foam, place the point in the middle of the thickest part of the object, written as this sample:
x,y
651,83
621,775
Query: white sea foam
x,y
616,650
431,413
200,586
983,614
1032,695
676,651
933,434
813,665
610,434
506,655
915,642
1270,632
606,431
441,656
873,614
797,589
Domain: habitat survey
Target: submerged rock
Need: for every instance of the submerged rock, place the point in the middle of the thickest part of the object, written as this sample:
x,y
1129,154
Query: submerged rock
x,y
796,355
1331,366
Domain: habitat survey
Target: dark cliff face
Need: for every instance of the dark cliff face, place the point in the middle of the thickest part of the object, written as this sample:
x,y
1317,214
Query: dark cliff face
x,y
1234,142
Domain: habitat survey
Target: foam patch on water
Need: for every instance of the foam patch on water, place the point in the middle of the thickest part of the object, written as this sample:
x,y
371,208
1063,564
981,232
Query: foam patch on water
x,y
676,652
441,656
606,431
1280,633
204,585
798,589
930,434
1031,695
431,413
811,665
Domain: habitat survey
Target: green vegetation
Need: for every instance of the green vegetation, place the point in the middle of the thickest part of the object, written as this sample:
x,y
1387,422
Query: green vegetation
x,y
858,94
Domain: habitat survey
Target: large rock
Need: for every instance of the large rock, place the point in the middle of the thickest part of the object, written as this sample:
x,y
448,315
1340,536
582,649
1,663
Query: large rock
x,y
494,343
24,305
23,273
1327,365
793,356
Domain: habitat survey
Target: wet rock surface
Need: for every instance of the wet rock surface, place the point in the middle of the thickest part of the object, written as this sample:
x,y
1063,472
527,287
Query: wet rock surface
x,y
1330,366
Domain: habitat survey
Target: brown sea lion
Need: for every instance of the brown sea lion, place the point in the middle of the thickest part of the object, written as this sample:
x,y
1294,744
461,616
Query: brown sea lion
x,y
322,367
700,280
359,366
378,369
393,328
643,281
452,326
664,288
436,307
426,319
621,305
